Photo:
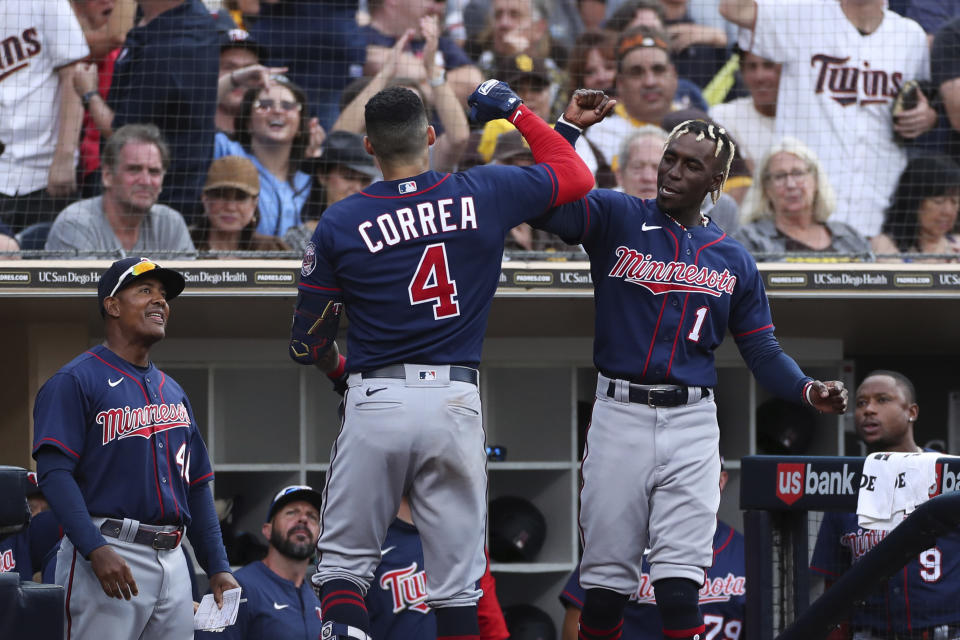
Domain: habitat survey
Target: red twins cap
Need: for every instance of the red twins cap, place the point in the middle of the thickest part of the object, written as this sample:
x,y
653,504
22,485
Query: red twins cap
x,y
292,494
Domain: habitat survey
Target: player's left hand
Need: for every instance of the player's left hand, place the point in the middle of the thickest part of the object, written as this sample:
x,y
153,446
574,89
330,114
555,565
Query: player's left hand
x,y
492,100
587,107
220,582
914,122
828,397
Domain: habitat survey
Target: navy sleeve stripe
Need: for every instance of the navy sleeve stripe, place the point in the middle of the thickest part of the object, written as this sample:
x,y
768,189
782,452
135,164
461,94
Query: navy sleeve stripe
x,y
123,373
553,184
313,286
746,333
407,195
823,571
571,599
59,444
201,478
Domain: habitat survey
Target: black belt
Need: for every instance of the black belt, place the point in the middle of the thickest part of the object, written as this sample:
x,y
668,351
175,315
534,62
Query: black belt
x,y
147,534
663,395
398,371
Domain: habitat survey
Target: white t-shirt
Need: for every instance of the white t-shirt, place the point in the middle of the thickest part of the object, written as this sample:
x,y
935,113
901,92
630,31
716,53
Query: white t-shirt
x,y
836,91
39,37
753,131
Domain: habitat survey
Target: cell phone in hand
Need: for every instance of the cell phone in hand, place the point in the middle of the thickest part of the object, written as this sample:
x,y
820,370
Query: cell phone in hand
x,y
911,98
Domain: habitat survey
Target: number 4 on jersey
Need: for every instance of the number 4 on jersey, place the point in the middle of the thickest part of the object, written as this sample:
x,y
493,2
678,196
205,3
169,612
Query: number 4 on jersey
x,y
432,283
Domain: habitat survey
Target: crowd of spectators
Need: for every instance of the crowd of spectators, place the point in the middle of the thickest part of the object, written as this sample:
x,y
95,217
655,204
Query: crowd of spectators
x,y
209,128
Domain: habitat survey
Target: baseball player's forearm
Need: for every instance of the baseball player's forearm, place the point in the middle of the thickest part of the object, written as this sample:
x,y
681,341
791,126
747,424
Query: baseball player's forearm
x,y
316,319
55,476
777,372
204,531
549,147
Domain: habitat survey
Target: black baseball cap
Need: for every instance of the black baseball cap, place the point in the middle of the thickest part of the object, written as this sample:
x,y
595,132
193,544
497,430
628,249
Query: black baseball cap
x,y
125,272
294,493
346,148
237,38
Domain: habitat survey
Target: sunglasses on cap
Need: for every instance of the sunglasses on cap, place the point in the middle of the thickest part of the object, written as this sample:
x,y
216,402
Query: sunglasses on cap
x,y
292,489
138,269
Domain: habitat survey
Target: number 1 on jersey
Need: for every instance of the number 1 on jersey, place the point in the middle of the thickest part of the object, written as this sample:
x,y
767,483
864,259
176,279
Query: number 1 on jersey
x,y
701,314
432,283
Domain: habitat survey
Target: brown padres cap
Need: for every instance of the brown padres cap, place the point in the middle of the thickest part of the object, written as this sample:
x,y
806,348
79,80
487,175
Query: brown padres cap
x,y
233,171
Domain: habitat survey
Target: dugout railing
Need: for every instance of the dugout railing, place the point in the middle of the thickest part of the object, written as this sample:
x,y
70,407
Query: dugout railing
x,y
777,494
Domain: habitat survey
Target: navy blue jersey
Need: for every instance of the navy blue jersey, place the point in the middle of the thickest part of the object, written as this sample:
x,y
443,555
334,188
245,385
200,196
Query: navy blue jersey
x,y
398,591
722,598
417,261
131,431
271,608
45,533
15,555
922,594
664,295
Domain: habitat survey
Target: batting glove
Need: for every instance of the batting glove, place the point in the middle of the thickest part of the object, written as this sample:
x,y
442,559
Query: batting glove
x,y
492,100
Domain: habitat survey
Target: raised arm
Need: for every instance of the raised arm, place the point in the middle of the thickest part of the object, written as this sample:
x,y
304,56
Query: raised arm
x,y
351,118
742,13
62,177
452,142
494,99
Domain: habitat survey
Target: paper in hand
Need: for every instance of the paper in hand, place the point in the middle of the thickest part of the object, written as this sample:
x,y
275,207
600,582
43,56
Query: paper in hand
x,y
209,617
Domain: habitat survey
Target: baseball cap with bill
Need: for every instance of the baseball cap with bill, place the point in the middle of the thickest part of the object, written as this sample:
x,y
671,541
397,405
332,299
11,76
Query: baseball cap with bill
x,y
523,68
233,171
346,148
291,494
127,271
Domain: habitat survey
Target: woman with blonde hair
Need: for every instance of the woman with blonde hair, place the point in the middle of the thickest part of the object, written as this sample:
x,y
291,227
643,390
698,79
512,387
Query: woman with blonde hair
x,y
788,206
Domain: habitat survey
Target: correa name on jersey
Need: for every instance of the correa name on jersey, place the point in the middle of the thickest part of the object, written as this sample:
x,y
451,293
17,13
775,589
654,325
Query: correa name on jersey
x,y
408,588
142,421
433,217
660,277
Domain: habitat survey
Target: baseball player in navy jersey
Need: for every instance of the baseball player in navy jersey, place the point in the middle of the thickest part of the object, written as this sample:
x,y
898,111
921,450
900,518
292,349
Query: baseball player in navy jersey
x,y
123,466
920,601
722,597
415,259
397,596
16,552
668,284
278,602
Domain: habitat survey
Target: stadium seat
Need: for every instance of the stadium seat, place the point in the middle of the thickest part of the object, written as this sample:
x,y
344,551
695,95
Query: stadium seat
x,y
34,237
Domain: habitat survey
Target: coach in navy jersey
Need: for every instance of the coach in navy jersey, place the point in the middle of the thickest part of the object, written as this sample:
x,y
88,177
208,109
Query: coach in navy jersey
x,y
668,284
278,602
919,601
122,464
415,260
